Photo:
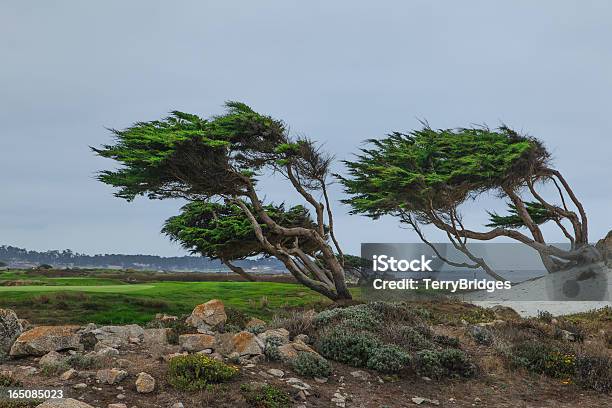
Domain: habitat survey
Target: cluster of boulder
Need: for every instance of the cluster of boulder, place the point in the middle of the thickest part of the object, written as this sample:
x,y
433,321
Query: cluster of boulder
x,y
245,345
54,345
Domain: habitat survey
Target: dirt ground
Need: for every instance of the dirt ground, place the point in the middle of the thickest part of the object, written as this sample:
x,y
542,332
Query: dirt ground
x,y
498,387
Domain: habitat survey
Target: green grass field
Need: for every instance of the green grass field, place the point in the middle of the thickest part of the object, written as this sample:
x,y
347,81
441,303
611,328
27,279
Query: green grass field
x,y
44,299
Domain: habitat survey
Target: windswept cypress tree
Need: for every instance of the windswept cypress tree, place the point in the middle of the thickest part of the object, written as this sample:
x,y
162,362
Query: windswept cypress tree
x,y
219,160
423,177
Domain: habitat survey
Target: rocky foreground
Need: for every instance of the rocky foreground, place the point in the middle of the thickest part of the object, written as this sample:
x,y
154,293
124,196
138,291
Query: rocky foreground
x,y
131,366
129,358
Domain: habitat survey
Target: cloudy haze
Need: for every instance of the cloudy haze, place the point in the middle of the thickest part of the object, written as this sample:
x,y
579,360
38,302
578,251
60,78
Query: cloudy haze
x,y
337,71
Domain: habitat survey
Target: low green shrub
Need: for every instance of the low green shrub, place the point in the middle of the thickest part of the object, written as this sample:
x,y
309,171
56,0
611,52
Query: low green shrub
x,y
236,317
8,381
388,359
231,328
443,363
20,403
257,329
397,312
265,396
196,372
446,341
271,346
477,315
594,372
543,358
482,335
50,370
352,348
457,363
426,363
311,365
83,362
413,338
545,316
358,317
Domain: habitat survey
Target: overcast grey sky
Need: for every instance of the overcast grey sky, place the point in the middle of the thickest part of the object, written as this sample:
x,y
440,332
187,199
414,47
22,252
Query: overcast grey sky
x,y
338,71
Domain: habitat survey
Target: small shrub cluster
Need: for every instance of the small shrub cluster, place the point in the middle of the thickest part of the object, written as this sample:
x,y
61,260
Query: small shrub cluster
x,y
443,363
388,359
83,362
271,347
545,316
50,370
362,349
196,372
594,372
477,315
399,312
19,403
446,341
231,328
311,365
359,317
257,329
236,317
296,323
543,358
412,338
352,348
265,396
8,381
482,335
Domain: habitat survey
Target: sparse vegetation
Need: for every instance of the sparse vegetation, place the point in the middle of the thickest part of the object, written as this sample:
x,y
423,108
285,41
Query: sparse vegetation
x,y
9,381
594,372
196,372
271,347
544,358
443,363
265,396
482,335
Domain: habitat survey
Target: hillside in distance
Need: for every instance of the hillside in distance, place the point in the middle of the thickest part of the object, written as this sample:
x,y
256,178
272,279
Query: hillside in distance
x,y
22,258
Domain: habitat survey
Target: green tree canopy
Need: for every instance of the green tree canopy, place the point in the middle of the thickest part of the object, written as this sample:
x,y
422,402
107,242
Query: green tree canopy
x,y
423,177
438,168
223,231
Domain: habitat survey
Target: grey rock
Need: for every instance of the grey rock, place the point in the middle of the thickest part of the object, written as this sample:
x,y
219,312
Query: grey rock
x,y
118,336
208,316
43,339
10,329
111,376
302,337
276,372
51,358
156,337
145,383
68,375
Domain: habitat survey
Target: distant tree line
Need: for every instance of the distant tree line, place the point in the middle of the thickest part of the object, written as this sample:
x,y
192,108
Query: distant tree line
x,y
11,254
